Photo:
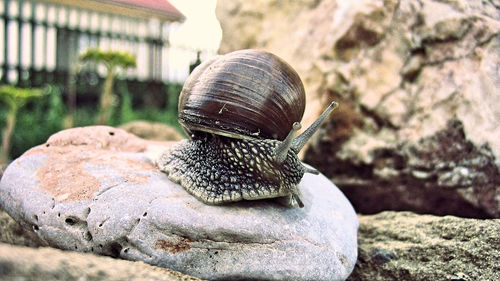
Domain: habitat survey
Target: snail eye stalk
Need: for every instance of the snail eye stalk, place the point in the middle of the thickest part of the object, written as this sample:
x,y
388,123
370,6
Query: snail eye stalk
x,y
282,150
301,140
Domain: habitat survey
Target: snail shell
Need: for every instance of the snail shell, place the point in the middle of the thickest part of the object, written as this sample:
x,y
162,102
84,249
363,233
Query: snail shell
x,y
247,93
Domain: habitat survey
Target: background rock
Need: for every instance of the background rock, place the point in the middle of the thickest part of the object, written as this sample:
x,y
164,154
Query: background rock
x,y
94,189
407,246
417,82
13,233
152,131
21,263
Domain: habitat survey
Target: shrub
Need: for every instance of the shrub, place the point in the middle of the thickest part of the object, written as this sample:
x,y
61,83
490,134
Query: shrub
x,y
40,118
14,99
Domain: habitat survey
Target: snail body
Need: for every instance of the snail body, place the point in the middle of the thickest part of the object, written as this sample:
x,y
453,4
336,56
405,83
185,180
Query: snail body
x,y
241,111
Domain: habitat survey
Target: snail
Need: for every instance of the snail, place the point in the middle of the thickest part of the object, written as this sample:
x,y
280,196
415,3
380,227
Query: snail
x,y
241,111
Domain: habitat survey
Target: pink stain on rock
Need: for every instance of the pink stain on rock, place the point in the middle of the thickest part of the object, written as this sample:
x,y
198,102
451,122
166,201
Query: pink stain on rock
x,y
64,173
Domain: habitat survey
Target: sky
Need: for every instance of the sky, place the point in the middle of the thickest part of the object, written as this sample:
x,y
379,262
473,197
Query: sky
x,y
200,31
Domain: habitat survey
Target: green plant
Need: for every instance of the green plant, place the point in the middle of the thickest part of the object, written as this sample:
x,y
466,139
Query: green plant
x,y
112,60
15,98
173,92
37,120
126,113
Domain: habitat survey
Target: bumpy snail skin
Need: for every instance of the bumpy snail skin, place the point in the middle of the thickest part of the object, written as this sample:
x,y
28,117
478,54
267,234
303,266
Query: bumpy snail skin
x,y
217,169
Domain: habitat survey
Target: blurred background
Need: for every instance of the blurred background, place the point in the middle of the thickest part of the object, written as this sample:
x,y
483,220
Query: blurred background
x,y
418,83
42,41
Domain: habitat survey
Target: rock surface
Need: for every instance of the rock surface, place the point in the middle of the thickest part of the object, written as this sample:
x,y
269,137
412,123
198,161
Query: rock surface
x,y
417,82
392,246
152,131
13,233
94,189
407,246
21,263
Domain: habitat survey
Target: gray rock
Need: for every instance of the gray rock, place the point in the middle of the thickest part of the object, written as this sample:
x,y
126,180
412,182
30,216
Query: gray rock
x,y
22,263
95,189
152,131
407,246
12,233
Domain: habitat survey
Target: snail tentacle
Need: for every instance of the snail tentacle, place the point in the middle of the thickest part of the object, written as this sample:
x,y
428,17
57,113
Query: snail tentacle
x,y
311,170
296,196
300,141
282,150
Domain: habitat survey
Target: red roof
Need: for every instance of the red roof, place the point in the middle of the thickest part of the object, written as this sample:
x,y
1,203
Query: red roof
x,y
155,6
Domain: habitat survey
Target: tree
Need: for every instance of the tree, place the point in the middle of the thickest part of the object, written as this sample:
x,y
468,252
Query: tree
x,y
112,60
15,99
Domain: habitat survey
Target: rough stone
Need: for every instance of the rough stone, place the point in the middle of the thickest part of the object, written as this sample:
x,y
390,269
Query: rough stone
x,y
13,233
95,189
392,246
152,131
21,263
409,76
407,246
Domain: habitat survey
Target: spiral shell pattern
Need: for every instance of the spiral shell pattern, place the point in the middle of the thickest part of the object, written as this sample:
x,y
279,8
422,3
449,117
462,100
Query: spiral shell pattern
x,y
243,94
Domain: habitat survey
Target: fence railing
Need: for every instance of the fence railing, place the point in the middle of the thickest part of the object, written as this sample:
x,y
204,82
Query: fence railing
x,y
42,37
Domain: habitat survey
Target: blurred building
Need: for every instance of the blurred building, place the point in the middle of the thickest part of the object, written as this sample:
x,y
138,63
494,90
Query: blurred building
x,y
40,40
